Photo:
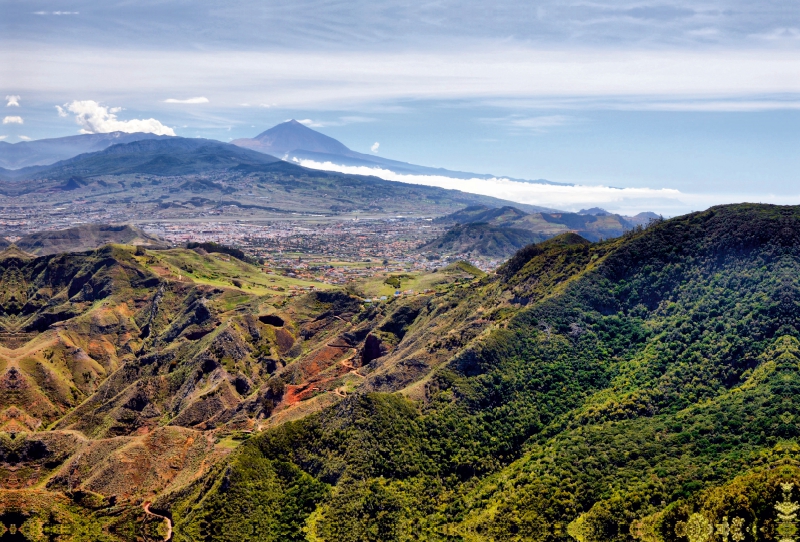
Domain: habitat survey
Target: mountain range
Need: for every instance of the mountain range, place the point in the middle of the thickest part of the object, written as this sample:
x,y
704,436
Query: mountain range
x,y
163,156
643,387
178,178
293,141
43,152
498,232
290,141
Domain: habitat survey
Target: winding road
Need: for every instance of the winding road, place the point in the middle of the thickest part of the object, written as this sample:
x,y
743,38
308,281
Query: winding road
x,y
168,536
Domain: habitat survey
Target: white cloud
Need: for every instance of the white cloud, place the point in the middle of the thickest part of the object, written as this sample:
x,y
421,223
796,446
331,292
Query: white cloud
x,y
491,71
24,138
375,146
198,100
12,120
311,124
12,101
94,118
2,137
539,124
342,121
626,201
354,119
56,12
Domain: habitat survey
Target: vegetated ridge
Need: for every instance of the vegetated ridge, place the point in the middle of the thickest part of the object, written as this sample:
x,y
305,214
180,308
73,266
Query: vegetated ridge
x,y
479,239
640,386
86,237
643,386
543,224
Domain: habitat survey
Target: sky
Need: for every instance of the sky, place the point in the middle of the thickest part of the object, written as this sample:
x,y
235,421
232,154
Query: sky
x,y
686,104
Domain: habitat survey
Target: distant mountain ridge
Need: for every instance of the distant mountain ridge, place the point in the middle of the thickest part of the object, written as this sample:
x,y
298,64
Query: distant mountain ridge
x,y
293,141
43,152
226,176
544,224
164,156
479,231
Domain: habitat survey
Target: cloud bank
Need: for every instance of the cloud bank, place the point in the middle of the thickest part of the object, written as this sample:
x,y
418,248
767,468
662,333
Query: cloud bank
x,y
12,101
198,100
624,79
12,120
94,118
626,201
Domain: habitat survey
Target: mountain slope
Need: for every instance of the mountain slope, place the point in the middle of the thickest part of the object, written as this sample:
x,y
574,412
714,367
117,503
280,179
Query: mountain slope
x,y
168,156
44,152
587,390
177,176
85,237
481,240
603,388
290,136
545,224
126,373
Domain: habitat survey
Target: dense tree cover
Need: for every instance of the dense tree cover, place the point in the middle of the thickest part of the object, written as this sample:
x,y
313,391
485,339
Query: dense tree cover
x,y
620,377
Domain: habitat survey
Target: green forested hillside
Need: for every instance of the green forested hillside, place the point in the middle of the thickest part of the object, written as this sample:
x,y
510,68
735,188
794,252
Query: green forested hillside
x,y
481,239
636,387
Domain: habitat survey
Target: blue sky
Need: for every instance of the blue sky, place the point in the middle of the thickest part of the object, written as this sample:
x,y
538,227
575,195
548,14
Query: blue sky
x,y
700,97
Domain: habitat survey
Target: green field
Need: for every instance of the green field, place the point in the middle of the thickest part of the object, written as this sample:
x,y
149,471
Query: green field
x,y
387,283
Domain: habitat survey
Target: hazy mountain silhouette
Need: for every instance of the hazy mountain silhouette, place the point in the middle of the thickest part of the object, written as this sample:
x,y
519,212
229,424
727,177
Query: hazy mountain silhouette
x,y
294,141
43,152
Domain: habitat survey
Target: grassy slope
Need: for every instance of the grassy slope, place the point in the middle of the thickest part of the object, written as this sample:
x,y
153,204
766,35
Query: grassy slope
x,y
220,270
625,375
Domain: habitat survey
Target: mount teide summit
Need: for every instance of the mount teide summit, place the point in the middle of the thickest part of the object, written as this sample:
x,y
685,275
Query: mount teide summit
x,y
294,141
293,136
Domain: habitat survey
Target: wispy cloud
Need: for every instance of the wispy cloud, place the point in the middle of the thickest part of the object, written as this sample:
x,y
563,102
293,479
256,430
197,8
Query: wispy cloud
x,y
644,103
348,79
537,124
12,101
25,138
780,34
12,120
341,121
375,146
311,123
94,118
627,201
355,119
2,137
56,13
197,100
